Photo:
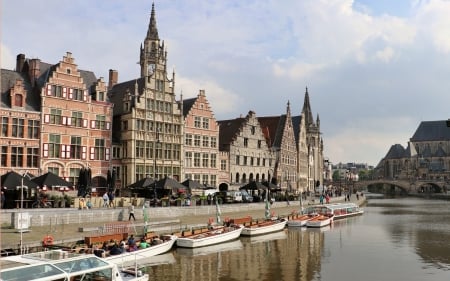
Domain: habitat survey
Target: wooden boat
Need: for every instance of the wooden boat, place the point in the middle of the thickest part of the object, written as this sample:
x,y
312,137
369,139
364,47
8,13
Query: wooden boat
x,y
264,226
159,245
320,221
209,236
298,220
57,265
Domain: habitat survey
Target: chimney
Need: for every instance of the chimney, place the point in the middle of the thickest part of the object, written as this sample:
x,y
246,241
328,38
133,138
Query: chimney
x,y
34,70
20,61
113,78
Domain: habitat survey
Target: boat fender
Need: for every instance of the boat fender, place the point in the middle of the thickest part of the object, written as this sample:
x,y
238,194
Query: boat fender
x,y
47,240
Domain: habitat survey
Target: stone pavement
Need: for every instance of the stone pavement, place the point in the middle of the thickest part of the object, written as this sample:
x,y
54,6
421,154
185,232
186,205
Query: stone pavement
x,y
70,233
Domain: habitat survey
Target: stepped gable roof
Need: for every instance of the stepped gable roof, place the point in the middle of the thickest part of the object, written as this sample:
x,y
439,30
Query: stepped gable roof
x,y
228,131
396,151
272,128
118,92
187,105
432,131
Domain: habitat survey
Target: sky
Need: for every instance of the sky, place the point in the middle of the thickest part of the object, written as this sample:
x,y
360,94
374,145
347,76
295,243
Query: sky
x,y
374,69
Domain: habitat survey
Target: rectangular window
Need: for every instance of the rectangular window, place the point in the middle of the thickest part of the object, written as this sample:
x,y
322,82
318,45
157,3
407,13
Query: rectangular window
x,y
245,142
258,161
205,179
99,149
251,161
16,156
33,129
205,141
18,128
205,123
245,160
55,116
237,160
3,156
57,91
205,160
77,94
75,147
213,161
168,151
100,122
32,157
197,122
223,165
213,142
54,170
54,146
188,140
176,154
196,159
188,159
4,132
73,175
197,177
140,148
259,144
213,180
197,140
77,119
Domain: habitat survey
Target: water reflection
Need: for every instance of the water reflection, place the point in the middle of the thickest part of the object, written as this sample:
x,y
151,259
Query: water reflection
x,y
395,239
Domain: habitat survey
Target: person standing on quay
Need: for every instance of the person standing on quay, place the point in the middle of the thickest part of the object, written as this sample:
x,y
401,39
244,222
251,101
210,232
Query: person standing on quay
x,y
131,211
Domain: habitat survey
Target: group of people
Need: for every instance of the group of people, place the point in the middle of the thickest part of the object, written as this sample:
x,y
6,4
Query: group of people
x,y
108,200
116,248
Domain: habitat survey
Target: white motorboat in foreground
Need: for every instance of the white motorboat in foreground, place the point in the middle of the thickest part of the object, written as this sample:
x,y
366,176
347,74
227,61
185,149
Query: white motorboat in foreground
x,y
320,220
206,237
58,265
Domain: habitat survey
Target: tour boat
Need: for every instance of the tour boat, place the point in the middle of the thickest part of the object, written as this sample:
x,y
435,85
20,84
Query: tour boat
x,y
58,265
320,220
160,244
339,210
300,220
209,236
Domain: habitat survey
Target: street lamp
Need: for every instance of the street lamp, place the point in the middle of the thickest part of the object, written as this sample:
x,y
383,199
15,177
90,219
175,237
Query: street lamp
x,y
21,211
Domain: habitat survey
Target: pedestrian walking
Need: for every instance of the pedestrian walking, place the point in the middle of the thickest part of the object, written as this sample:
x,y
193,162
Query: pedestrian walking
x,y
131,212
111,199
105,200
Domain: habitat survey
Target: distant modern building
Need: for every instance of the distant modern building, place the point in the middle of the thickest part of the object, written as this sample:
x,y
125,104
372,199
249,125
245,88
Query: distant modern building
x,y
148,121
201,141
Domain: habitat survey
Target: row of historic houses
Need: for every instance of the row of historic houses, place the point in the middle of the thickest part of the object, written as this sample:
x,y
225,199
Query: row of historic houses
x,y
58,118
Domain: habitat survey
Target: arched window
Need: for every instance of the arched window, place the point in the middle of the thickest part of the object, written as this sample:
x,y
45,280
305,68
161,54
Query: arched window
x,y
237,178
244,178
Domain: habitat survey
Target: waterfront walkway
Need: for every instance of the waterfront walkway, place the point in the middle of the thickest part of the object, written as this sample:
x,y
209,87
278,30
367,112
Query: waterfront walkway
x,y
73,232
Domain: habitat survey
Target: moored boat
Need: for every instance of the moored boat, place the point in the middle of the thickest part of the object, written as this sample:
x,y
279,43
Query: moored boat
x,y
264,226
298,220
57,265
339,210
320,221
209,236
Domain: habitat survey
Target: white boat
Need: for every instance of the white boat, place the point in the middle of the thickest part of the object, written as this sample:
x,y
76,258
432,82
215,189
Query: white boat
x,y
58,265
161,244
339,210
213,249
320,221
300,220
216,235
264,227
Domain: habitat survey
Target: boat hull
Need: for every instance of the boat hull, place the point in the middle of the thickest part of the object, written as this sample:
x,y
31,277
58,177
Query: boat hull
x,y
299,221
212,237
151,251
320,221
261,229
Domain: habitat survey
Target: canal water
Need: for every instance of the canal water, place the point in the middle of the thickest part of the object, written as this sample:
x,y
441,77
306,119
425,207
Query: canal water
x,y
395,239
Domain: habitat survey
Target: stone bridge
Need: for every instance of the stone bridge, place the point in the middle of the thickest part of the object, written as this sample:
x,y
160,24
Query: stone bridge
x,y
408,186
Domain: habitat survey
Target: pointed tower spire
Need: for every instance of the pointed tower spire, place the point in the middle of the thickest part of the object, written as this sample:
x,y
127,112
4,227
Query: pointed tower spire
x,y
307,110
288,109
152,32
318,121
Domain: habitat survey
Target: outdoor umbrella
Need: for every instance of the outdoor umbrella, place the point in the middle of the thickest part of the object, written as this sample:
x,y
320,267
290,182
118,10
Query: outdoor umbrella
x,y
12,180
272,187
169,183
142,183
192,184
254,185
51,180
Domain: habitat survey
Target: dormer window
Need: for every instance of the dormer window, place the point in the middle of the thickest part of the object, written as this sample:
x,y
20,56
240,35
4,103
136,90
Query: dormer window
x,y
18,100
68,71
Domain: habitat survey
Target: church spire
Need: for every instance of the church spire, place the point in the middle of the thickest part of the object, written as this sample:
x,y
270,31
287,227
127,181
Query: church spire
x,y
152,32
307,110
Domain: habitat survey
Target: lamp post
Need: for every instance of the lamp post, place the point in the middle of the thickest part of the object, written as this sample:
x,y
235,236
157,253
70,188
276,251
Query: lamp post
x,y
21,212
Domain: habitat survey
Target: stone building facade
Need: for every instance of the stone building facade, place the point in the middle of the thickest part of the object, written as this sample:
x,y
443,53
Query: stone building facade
x,y
148,121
